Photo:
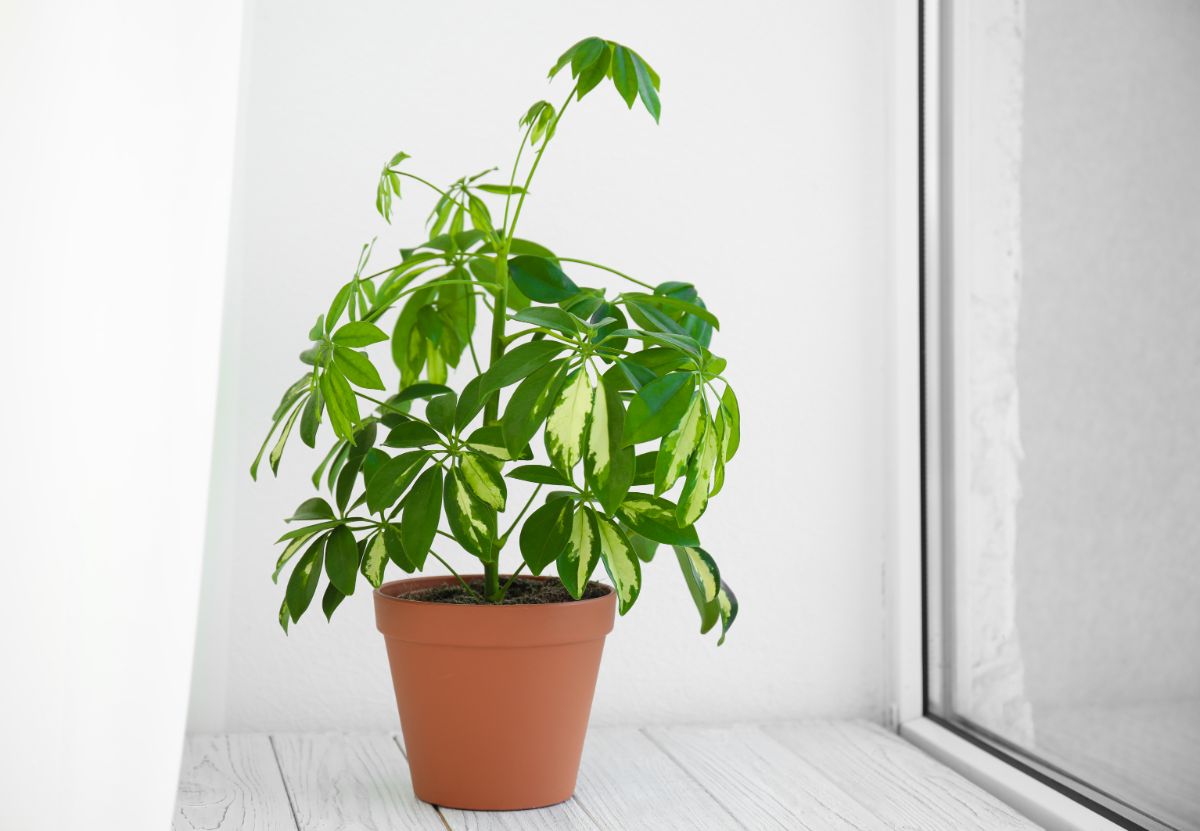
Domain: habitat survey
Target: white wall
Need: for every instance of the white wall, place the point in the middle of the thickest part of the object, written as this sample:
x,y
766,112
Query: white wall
x,y
766,184
115,178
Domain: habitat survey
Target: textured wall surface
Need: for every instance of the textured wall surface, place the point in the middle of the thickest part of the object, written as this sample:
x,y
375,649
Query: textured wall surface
x,y
765,184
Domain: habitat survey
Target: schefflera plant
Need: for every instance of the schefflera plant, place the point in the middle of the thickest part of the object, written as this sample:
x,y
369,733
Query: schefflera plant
x,y
632,404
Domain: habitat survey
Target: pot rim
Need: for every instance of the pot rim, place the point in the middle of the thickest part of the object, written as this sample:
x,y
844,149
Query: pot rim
x,y
450,579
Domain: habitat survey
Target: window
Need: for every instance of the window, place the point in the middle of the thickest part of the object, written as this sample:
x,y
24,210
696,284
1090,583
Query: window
x,y
1061,309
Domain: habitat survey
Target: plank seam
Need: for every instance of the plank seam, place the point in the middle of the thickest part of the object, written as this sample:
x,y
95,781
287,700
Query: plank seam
x,y
287,789
691,776
438,808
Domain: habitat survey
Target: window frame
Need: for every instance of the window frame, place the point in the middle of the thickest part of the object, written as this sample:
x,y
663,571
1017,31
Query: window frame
x,y
920,361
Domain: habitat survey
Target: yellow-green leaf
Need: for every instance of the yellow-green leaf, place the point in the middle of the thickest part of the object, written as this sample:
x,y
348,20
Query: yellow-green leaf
x,y
567,424
483,478
472,522
678,446
621,563
694,498
578,560
376,560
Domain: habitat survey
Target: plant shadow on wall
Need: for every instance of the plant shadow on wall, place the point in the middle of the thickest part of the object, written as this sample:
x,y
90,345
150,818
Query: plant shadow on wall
x,y
598,374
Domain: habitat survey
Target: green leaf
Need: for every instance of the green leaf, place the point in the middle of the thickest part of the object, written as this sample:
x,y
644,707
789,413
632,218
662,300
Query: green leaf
x,y
472,522
733,418
620,562
482,476
357,368
673,303
358,334
654,518
502,190
658,407
341,559
699,476
338,305
391,480
481,218
331,600
550,317
310,419
541,279
422,511
340,402
490,442
644,548
647,80
302,585
470,403
727,605
545,533
703,580
314,508
542,474
395,548
586,53
578,560
440,412
292,547
419,390
678,446
309,530
566,426
285,616
345,485
562,61
277,450
595,72
644,466
608,465
624,75
411,434
339,449
519,362
530,404
375,559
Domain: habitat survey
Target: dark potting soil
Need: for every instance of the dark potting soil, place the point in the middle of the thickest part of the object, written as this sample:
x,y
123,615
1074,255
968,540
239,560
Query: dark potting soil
x,y
522,592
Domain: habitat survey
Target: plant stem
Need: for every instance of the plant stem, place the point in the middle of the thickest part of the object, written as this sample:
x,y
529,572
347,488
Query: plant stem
x,y
537,160
513,576
533,496
473,593
491,570
606,268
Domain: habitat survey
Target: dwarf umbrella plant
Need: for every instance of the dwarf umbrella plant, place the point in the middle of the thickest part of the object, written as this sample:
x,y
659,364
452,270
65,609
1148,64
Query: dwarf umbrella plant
x,y
632,404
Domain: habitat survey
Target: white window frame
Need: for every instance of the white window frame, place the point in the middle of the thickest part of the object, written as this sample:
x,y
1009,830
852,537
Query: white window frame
x,y
918,248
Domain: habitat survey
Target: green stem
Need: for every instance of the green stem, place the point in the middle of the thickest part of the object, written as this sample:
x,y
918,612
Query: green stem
x,y
605,268
538,160
504,538
472,592
513,177
512,577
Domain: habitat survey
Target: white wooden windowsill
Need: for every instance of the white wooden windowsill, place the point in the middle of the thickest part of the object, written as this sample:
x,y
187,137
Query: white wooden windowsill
x,y
824,776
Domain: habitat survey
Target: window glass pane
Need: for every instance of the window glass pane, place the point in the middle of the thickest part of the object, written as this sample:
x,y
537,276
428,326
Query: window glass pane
x,y
1068,596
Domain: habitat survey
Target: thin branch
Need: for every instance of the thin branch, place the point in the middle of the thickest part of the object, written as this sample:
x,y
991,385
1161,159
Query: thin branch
x,y
606,268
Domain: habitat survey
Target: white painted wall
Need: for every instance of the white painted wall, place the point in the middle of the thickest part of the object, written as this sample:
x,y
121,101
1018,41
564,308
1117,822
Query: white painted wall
x,y
767,184
115,177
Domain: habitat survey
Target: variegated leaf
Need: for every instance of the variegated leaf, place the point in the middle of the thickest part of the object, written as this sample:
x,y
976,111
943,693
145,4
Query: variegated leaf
x,y
678,446
621,563
579,558
483,477
703,580
567,425
472,521
694,498
727,605
608,465
295,545
375,560
654,517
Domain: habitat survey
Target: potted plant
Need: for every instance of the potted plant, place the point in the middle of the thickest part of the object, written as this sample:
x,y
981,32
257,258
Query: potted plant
x,y
494,674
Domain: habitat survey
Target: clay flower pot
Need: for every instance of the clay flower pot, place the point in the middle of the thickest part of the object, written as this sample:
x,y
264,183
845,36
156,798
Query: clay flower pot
x,y
493,700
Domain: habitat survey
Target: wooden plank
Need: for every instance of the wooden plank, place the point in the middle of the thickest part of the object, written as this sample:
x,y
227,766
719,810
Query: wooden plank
x,y
341,782
231,782
761,782
901,785
627,781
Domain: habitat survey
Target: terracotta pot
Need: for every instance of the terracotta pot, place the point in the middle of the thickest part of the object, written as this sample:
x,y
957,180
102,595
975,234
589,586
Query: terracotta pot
x,y
493,700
